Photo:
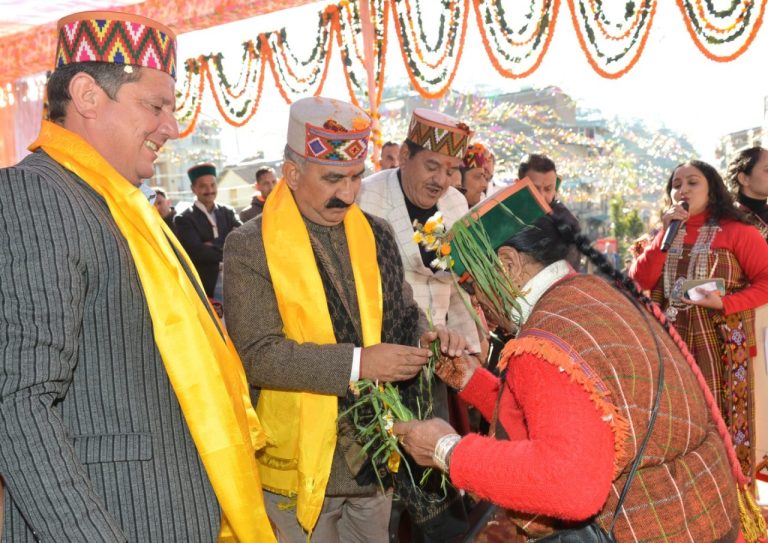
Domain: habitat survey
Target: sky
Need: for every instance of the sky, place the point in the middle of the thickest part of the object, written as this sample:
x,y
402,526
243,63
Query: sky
x,y
673,84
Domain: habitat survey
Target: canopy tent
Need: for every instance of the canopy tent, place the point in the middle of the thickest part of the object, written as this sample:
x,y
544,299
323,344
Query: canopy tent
x,y
28,44
28,27
515,36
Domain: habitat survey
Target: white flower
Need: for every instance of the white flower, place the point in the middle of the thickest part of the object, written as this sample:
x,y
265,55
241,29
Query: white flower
x,y
389,421
439,264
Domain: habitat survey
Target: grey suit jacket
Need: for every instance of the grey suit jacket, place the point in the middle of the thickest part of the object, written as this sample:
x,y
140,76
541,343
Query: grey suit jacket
x,y
271,360
93,443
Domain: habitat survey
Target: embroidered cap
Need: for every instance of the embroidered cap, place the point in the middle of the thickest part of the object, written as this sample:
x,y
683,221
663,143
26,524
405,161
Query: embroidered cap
x,y
199,170
438,132
499,217
118,38
328,131
475,157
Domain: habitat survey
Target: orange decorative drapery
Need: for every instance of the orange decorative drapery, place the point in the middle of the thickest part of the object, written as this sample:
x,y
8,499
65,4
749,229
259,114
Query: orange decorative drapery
x,y
612,41
34,50
515,35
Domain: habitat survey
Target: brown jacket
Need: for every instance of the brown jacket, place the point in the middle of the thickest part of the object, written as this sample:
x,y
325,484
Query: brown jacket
x,y
274,362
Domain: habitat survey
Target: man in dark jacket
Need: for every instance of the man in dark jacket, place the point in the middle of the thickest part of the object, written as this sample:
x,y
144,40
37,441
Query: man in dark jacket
x,y
102,437
203,227
265,182
164,206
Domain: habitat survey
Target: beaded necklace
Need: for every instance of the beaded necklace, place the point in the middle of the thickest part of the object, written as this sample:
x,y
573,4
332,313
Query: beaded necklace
x,y
698,266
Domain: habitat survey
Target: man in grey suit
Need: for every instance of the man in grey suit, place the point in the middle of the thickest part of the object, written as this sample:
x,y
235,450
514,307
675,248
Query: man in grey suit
x,y
100,438
316,300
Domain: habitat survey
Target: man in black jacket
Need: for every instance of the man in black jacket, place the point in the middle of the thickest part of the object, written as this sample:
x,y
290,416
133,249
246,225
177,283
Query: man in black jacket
x,y
203,227
265,182
164,206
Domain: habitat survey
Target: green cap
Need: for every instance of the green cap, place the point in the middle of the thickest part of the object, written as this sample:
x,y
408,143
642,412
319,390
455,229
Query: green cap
x,y
496,219
199,170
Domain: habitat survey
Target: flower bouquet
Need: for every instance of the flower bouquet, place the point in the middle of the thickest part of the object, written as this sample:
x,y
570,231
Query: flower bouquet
x,y
467,245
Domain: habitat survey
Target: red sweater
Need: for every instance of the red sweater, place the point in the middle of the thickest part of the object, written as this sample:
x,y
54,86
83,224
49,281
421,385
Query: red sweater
x,y
559,458
743,240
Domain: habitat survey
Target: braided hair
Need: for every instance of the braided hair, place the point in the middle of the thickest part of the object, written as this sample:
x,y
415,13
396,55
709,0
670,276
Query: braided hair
x,y
745,162
548,240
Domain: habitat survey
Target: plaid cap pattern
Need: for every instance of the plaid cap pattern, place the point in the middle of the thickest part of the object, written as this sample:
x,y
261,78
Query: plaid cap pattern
x,y
328,131
331,146
475,157
439,133
117,38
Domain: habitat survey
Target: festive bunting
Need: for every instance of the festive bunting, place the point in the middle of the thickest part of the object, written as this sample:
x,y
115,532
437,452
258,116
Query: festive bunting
x,y
33,51
612,45
612,40
515,36
722,34
431,69
516,52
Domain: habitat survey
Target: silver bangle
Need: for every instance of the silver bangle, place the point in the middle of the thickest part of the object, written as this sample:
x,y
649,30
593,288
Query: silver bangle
x,y
443,450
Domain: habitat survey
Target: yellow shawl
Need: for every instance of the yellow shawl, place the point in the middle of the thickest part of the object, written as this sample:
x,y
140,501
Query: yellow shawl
x,y
302,425
202,365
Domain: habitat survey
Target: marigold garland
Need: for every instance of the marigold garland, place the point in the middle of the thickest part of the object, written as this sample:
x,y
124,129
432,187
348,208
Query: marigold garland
x,y
187,85
492,24
436,85
353,59
249,54
596,7
227,94
600,59
708,37
349,30
286,66
249,106
193,113
514,52
352,22
421,41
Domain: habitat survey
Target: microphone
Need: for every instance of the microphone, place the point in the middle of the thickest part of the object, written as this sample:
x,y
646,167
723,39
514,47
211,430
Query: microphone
x,y
669,235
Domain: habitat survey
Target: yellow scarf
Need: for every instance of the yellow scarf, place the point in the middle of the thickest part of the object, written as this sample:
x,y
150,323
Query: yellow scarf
x,y
301,425
202,365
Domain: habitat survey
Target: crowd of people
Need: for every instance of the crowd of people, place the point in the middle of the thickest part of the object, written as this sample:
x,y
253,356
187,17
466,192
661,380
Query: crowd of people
x,y
616,406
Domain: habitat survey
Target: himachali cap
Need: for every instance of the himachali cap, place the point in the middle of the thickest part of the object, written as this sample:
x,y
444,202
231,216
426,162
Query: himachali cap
x,y
475,157
328,131
438,132
200,170
118,38
501,216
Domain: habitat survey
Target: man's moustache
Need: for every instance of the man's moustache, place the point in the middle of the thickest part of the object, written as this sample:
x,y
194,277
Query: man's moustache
x,y
335,203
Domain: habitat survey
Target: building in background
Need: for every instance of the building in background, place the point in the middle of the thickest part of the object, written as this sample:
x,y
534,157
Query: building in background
x,y
177,156
237,183
598,158
732,143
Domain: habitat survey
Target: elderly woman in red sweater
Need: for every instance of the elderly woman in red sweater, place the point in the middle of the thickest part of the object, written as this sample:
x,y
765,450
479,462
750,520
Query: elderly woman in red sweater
x,y
575,402
714,242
